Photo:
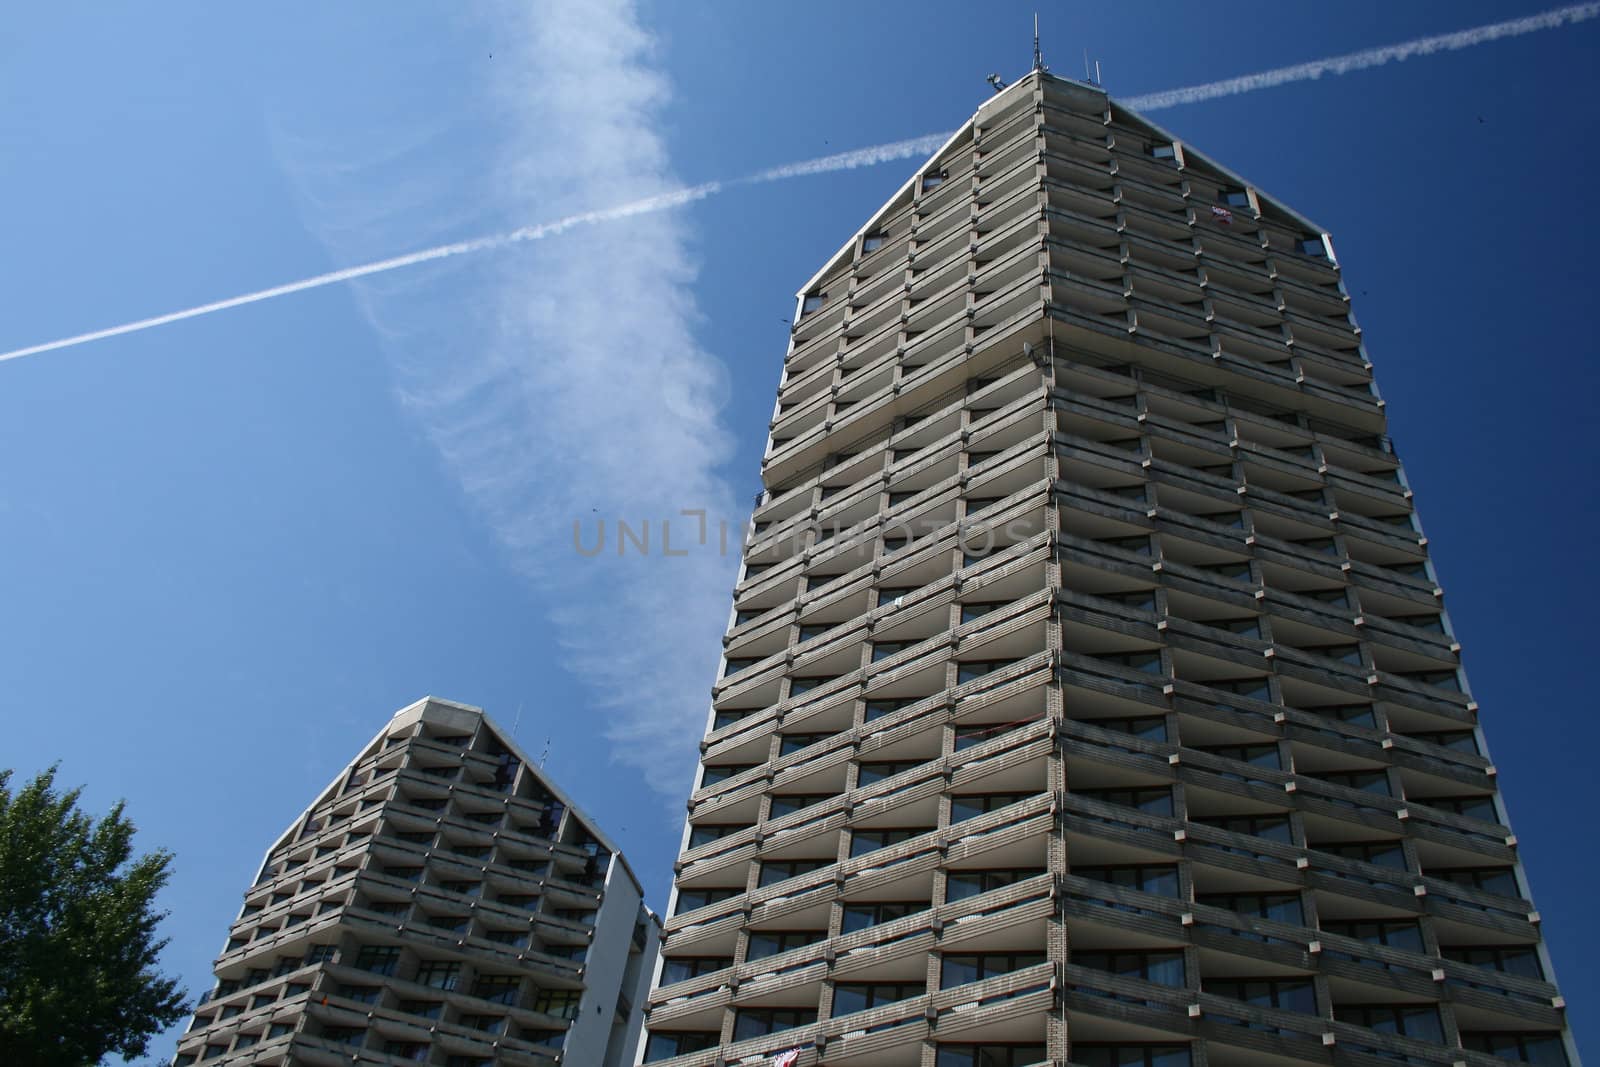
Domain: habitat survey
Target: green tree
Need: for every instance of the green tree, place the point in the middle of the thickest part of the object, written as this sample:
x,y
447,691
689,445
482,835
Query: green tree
x,y
78,941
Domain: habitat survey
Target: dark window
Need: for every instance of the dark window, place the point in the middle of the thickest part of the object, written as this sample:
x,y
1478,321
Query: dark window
x,y
963,808
973,612
378,959
1165,968
428,1009
1541,1048
1270,827
1163,151
1520,960
933,179
787,805
889,596
960,970
562,1003
774,871
663,1045
1147,878
878,771
1285,994
812,302
683,968
1366,781
872,242
1383,853
1153,801
1105,1055
990,1055
878,708
1311,246
1234,197
861,916
771,942
854,997
438,974
1279,907
1395,933
758,1022
1419,1021
864,841
962,884
1152,728
500,988
1498,880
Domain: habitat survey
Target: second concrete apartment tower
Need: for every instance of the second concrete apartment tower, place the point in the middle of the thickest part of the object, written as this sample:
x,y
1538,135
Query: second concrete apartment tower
x,y
1089,697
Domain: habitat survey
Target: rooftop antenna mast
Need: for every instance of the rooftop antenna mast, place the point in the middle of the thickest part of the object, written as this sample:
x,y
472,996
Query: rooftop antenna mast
x,y
1038,57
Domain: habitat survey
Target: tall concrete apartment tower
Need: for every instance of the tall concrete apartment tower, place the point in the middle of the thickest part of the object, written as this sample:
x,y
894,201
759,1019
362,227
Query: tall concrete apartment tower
x,y
1088,697
440,903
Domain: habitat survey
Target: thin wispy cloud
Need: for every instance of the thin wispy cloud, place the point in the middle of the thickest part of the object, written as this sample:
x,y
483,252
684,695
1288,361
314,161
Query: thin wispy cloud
x,y
1367,58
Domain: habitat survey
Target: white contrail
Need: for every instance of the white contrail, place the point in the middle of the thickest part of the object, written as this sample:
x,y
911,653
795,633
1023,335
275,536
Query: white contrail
x,y
864,157
1369,57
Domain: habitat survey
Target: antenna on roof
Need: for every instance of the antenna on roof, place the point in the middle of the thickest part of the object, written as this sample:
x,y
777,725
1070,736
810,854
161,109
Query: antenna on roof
x,y
545,754
1038,57
1097,80
517,721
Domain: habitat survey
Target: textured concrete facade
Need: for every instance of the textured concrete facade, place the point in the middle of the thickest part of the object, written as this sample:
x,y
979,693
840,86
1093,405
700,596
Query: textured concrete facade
x,y
1089,697
440,903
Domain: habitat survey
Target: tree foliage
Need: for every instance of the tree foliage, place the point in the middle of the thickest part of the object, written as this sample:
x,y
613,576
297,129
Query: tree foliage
x,y
78,945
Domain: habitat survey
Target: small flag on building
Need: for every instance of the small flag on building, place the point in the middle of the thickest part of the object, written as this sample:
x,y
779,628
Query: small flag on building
x,y
1222,214
786,1059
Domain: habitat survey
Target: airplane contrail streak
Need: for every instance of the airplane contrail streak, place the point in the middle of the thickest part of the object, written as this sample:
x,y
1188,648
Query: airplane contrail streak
x,y
1366,58
863,157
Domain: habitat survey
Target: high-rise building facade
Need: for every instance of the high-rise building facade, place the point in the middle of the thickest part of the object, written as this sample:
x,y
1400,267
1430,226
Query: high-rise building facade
x,y
1088,697
441,903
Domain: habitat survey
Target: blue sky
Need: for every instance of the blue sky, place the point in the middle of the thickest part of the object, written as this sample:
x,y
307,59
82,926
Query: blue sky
x,y
234,545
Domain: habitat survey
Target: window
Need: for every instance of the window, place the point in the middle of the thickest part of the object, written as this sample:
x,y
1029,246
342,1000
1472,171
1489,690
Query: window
x,y
320,954
805,685
1311,246
890,595
882,650
933,179
1356,714
774,871
663,1045
812,302
972,669
278,1030
978,733
864,841
1265,755
876,709
873,241
973,612
500,988
344,1035
962,884
1279,907
963,808
1153,801
1472,807
990,1055
1285,994
862,916
714,774
1419,1021
795,742
851,998
1270,827
1520,960
1152,728
406,1050
1498,880
1382,853
758,1022
1165,968
1234,197
428,1009
705,833
807,632
562,1003
690,899
1148,662
1146,878
960,970
1163,151
1105,1055
683,968
789,804
771,942
378,959
1366,781
877,772
1541,1048
1395,933
439,974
